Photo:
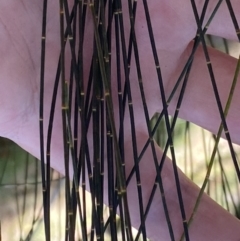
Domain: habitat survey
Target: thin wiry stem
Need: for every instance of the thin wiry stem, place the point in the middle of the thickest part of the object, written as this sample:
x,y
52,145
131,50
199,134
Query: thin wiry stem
x,y
165,151
157,64
193,51
216,144
223,124
93,105
45,173
226,185
188,135
215,89
178,82
108,98
130,104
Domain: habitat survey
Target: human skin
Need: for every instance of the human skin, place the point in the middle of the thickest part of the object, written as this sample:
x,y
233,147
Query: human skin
x,y
174,28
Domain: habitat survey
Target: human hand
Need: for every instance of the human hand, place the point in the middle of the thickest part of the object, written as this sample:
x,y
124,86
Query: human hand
x,y
174,27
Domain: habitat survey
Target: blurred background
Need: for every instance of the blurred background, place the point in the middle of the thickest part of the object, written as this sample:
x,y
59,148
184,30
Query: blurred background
x,y
21,209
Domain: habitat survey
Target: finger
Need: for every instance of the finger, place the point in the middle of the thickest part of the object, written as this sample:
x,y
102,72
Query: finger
x,y
211,222
199,102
